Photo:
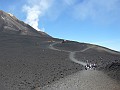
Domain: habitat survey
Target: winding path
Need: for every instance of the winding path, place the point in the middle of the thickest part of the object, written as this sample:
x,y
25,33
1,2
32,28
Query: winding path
x,y
71,54
83,80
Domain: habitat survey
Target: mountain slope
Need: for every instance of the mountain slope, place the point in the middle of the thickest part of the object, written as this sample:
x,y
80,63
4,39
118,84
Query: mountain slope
x,y
10,24
27,62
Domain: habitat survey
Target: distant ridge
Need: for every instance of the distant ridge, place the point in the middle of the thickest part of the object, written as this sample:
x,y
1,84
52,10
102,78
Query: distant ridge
x,y
11,25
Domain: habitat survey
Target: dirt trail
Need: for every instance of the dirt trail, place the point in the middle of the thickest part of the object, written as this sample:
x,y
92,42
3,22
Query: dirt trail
x,y
72,58
71,55
85,80
51,46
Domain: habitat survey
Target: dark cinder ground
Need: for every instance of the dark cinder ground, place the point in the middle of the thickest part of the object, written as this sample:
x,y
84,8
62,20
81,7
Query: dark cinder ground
x,y
26,62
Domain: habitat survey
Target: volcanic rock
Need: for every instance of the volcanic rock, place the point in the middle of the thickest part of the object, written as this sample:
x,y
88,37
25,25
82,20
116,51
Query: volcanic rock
x,y
11,25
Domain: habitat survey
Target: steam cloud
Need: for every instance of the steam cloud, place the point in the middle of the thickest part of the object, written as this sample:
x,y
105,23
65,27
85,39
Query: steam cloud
x,y
34,10
103,11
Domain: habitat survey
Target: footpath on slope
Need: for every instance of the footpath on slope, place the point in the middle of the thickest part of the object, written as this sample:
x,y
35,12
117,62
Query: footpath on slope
x,y
82,80
71,55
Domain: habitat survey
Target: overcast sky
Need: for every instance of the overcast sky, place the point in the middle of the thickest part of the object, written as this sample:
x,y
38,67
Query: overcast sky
x,y
90,21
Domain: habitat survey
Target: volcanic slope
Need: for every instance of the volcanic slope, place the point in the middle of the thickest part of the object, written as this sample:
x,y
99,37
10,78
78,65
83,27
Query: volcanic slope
x,y
27,62
11,25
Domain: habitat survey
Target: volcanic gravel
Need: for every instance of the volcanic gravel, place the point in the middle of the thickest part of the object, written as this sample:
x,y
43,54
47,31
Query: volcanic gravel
x,y
26,62
100,58
71,46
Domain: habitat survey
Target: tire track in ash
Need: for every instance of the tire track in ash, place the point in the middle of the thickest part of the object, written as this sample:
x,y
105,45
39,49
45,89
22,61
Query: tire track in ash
x,y
71,54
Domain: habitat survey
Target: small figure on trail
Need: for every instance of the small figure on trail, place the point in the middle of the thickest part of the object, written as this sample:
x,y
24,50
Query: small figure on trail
x,y
90,66
87,66
94,66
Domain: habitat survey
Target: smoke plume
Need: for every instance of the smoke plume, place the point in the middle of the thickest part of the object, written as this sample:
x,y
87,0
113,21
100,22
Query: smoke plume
x,y
34,9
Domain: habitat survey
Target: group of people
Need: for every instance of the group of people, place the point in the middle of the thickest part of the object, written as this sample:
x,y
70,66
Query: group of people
x,y
90,66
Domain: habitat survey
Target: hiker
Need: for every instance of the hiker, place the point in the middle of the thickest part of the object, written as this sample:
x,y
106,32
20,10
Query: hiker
x,y
87,66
